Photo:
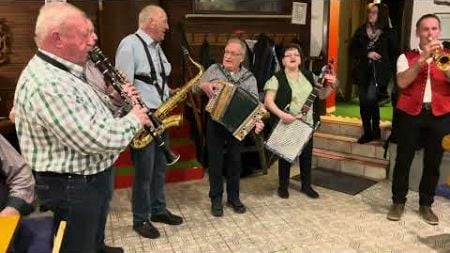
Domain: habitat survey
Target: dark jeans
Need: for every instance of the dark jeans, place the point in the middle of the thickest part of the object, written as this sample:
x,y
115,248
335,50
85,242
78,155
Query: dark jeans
x,y
104,208
78,201
305,161
410,130
148,185
219,140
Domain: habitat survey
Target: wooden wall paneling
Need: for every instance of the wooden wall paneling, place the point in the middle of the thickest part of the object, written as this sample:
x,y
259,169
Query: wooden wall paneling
x,y
176,9
117,19
220,29
20,17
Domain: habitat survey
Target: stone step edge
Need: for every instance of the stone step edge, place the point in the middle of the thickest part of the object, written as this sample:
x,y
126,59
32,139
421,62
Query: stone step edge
x,y
346,139
350,121
356,158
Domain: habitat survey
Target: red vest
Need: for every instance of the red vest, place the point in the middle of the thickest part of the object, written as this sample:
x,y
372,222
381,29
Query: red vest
x,y
411,98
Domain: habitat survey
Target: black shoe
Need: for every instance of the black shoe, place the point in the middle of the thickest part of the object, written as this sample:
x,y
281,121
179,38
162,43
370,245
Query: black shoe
x,y
147,230
428,215
365,139
167,218
109,249
283,192
217,208
395,212
310,192
237,206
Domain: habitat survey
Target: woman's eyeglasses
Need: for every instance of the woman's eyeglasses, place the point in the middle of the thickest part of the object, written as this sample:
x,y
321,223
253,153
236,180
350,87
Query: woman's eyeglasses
x,y
292,55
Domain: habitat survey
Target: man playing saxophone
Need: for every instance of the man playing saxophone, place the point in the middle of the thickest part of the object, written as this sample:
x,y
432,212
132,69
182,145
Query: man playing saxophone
x,y
423,114
140,57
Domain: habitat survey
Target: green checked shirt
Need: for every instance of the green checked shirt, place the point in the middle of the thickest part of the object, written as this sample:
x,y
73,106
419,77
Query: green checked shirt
x,y
62,123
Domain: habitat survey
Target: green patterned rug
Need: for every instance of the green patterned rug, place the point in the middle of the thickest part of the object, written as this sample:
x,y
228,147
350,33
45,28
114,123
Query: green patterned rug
x,y
351,109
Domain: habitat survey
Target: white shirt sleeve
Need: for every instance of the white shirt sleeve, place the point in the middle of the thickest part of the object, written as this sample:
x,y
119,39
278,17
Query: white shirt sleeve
x,y
402,63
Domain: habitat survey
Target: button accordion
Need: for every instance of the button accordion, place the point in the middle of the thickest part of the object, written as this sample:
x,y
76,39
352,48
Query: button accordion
x,y
236,109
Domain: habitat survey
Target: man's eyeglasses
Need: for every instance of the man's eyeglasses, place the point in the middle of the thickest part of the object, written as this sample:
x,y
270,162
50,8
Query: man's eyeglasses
x,y
232,54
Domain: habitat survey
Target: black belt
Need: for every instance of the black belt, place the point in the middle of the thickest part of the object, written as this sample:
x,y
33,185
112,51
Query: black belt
x,y
66,175
426,107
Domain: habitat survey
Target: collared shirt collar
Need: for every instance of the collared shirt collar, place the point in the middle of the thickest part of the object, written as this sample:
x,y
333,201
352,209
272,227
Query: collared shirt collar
x,y
148,40
75,69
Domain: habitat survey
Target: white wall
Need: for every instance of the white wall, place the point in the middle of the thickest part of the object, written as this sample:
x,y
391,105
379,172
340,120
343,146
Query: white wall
x,y
316,27
421,7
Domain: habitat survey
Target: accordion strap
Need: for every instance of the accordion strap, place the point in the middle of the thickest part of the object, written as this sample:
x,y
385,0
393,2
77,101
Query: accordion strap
x,y
315,91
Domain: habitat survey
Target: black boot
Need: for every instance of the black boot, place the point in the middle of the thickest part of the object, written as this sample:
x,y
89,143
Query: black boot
x,y
305,171
309,191
283,192
366,112
284,171
376,132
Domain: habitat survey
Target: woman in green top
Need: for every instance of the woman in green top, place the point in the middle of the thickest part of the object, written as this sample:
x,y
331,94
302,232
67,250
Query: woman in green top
x,y
292,86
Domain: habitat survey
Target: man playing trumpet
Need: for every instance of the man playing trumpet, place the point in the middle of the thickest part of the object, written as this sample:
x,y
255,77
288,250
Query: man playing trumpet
x,y
423,109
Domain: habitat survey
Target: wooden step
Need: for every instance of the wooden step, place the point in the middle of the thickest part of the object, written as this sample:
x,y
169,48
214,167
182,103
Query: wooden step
x,y
350,127
358,165
348,145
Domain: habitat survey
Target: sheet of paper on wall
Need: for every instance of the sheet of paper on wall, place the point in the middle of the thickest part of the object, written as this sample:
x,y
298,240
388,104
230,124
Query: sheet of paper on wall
x,y
445,25
54,1
299,13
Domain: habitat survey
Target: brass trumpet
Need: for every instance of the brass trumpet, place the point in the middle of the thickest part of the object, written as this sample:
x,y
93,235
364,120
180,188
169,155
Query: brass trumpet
x,y
441,58
446,142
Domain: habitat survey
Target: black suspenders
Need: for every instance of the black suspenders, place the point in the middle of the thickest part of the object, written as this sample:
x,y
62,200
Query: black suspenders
x,y
152,80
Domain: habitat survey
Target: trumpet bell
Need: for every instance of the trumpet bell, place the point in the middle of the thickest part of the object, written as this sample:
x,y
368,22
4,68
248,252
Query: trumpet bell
x,y
446,142
443,61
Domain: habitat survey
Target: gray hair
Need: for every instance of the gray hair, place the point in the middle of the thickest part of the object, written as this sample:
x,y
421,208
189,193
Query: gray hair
x,y
240,42
147,12
53,16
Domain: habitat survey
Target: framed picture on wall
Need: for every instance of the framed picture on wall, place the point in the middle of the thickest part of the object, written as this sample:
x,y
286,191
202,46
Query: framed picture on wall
x,y
446,2
243,6
445,25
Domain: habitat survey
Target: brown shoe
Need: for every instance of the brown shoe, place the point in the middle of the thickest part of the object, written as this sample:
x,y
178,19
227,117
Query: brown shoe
x,y
395,212
428,216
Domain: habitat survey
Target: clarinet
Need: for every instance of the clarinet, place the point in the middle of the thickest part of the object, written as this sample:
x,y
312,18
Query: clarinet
x,y
117,80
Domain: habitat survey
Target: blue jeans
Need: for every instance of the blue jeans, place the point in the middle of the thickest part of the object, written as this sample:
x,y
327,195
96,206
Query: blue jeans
x,y
78,200
148,186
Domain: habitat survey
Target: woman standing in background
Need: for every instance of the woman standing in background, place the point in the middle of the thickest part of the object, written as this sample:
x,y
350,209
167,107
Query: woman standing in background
x,y
374,49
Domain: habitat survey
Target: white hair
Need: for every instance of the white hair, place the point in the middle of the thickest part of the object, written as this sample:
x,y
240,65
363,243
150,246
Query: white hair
x,y
52,16
147,12
240,42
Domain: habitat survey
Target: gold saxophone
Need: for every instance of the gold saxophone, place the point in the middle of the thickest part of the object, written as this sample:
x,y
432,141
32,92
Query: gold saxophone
x,y
160,116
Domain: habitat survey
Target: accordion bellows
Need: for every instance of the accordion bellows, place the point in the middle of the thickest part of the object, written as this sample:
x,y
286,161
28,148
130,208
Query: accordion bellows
x,y
236,109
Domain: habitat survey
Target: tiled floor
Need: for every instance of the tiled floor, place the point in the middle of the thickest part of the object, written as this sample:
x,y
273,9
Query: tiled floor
x,y
335,222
